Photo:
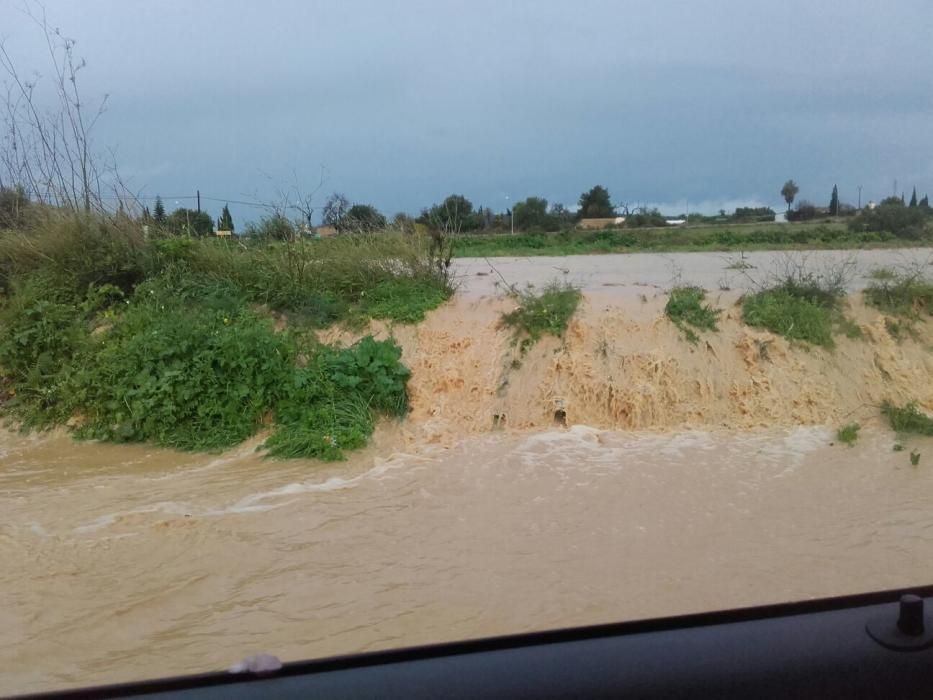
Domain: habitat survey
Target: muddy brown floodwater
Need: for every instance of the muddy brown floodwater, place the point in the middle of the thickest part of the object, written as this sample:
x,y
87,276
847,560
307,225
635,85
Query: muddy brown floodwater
x,y
124,562
692,476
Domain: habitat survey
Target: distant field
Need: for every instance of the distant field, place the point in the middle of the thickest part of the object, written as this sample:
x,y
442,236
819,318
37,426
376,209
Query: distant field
x,y
817,236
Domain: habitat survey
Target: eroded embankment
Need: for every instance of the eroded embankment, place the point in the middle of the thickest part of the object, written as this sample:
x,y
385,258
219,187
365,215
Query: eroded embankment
x,y
622,364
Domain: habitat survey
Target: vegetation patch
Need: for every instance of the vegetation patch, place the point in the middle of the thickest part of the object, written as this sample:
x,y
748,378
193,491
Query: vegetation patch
x,y
907,419
791,316
168,341
848,434
724,237
907,294
802,306
685,307
544,313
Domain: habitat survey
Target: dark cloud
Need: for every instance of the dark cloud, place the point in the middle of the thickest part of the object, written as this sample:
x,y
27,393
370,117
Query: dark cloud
x,y
405,102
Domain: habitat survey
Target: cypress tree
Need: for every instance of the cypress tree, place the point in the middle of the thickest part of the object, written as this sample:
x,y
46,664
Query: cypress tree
x,y
225,223
158,211
834,202
913,198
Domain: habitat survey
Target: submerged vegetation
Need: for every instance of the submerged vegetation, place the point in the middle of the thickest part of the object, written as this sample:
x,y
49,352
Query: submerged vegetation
x,y
547,312
171,341
848,434
685,307
907,419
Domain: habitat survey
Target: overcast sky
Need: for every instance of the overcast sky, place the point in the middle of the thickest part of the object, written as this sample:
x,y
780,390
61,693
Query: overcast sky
x,y
699,104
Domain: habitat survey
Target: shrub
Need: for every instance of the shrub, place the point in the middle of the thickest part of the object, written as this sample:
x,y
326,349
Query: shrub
x,y
848,434
907,419
545,313
685,307
903,222
40,335
805,211
906,293
328,406
794,317
192,379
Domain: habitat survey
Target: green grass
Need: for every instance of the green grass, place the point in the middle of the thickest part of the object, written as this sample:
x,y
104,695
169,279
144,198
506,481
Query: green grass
x,y
544,313
906,294
802,306
793,317
848,434
907,419
685,307
819,235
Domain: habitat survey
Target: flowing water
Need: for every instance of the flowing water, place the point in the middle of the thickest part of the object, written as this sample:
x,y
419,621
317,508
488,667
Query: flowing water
x,y
695,476
123,562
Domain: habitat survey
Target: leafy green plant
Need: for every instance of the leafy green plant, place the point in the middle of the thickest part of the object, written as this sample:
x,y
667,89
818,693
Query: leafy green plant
x,y
544,313
802,305
794,317
907,419
685,307
192,379
848,434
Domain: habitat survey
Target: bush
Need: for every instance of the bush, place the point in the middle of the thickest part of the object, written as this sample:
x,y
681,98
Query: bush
x,y
184,360
907,419
848,434
545,313
275,228
685,307
903,222
796,318
751,214
40,335
903,294
328,406
805,211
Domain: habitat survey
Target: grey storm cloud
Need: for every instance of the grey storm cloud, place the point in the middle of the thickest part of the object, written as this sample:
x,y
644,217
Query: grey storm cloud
x,y
405,102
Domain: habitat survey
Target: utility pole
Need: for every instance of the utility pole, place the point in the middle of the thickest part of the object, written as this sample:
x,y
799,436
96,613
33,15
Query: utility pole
x,y
860,197
199,201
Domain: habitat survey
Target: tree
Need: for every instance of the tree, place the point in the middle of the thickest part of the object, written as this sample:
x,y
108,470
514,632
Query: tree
x,y
361,218
532,213
453,215
335,209
891,216
189,222
834,202
789,191
893,201
924,203
596,204
913,198
225,222
561,215
158,211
